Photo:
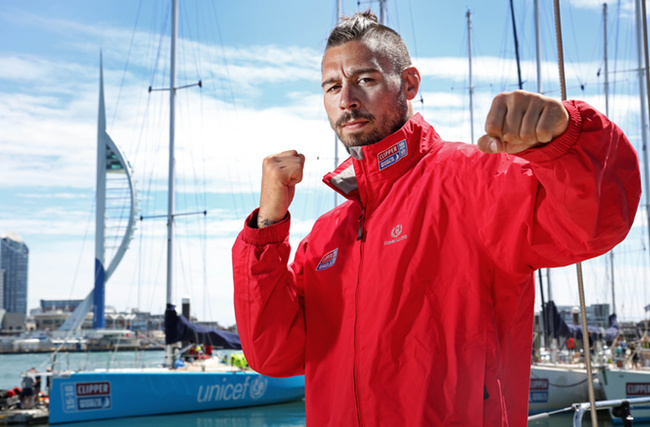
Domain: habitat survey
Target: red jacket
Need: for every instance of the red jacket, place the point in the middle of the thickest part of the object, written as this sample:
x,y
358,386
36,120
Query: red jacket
x,y
411,304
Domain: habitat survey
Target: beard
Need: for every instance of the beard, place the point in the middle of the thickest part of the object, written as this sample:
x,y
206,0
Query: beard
x,y
392,122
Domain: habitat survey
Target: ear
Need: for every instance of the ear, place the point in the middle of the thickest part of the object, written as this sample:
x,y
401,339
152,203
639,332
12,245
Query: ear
x,y
410,82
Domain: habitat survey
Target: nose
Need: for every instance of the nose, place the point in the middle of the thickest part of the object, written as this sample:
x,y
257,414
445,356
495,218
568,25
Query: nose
x,y
348,97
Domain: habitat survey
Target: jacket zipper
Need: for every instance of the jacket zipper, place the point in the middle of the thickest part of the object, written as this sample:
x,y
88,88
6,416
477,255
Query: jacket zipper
x,y
360,233
360,237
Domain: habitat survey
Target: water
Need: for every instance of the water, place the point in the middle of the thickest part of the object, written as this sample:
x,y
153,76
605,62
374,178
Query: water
x,y
290,414
11,365
566,420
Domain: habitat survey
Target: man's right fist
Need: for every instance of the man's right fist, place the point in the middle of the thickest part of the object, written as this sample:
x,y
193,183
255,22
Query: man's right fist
x,y
280,173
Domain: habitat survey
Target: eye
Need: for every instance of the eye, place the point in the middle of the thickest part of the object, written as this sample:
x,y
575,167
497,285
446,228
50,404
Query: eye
x,y
366,80
332,88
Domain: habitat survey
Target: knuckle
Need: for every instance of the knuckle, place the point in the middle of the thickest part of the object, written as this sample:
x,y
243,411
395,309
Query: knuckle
x,y
511,137
544,135
528,137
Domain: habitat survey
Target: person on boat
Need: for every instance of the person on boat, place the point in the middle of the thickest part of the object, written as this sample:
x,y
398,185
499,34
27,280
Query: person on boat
x,y
412,302
571,346
27,392
37,388
634,355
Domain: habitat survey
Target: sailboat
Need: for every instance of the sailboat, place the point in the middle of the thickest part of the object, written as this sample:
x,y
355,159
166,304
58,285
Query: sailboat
x,y
624,389
626,382
212,384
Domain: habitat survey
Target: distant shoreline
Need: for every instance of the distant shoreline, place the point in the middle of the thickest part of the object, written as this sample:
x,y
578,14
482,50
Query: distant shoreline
x,y
93,350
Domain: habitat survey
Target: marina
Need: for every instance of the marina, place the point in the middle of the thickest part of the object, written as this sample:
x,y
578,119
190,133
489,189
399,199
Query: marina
x,y
290,414
82,369
11,365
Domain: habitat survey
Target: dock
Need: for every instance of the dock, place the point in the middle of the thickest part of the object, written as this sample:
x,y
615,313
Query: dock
x,y
24,416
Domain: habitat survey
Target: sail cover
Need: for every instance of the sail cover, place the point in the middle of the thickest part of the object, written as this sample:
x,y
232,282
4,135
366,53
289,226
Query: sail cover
x,y
178,328
554,323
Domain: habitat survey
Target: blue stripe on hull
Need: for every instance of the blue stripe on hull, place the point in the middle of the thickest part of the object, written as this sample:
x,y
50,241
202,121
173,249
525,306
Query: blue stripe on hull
x,y
92,396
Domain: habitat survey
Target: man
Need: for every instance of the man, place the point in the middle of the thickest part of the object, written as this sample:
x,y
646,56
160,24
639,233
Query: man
x,y
411,304
27,393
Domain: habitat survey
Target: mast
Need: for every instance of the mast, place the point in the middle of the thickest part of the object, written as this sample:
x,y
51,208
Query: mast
x,y
382,12
605,60
538,54
642,93
514,31
171,180
538,47
471,84
339,13
581,292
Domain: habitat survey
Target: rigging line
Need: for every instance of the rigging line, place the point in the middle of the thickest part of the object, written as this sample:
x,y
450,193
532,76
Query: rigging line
x,y
645,52
228,86
202,225
560,51
514,31
415,46
192,157
186,274
396,27
181,271
160,45
203,152
126,64
618,26
575,43
229,95
204,253
505,71
83,244
150,201
583,311
239,201
187,44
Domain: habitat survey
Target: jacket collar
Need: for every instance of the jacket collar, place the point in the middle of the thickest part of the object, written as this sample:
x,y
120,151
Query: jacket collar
x,y
384,161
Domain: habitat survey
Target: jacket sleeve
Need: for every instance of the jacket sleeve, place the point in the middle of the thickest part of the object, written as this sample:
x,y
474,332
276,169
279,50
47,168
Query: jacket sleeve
x,y
269,302
573,199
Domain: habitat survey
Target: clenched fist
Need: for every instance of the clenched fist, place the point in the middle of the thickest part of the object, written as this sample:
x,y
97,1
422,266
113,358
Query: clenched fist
x,y
521,120
280,174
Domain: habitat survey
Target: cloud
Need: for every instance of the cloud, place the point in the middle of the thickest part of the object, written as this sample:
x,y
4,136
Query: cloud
x,y
256,100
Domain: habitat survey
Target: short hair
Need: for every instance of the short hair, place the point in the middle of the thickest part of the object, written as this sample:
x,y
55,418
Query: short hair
x,y
364,27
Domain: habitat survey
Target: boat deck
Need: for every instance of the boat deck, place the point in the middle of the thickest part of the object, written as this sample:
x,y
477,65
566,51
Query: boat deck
x,y
24,416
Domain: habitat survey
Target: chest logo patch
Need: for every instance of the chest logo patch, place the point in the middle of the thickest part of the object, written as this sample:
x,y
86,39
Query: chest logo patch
x,y
396,234
392,155
327,260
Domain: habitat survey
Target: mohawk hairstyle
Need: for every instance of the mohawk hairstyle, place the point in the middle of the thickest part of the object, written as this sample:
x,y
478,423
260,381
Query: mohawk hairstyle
x,y
382,40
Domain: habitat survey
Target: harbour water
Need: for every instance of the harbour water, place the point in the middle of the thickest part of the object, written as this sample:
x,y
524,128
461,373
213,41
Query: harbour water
x,y
290,414
11,366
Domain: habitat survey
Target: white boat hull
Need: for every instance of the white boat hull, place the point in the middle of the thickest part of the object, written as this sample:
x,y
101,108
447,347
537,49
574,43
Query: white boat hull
x,y
627,383
556,386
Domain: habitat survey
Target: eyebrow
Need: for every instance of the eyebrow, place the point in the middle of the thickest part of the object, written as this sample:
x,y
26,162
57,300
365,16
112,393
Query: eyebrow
x,y
353,73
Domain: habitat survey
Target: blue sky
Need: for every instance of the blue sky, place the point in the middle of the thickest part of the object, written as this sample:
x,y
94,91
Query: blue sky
x,y
260,66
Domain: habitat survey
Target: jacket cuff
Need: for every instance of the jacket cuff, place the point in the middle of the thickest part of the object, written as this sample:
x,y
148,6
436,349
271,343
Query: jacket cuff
x,y
563,143
275,233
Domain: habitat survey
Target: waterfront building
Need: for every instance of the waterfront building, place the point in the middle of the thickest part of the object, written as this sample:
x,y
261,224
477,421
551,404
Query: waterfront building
x,y
66,305
2,287
14,257
597,314
11,323
53,319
